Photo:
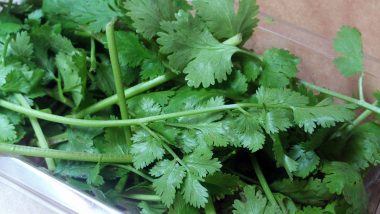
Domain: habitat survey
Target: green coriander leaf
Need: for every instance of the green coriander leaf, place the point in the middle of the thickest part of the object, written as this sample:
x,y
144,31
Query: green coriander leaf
x,y
88,171
276,120
201,57
280,96
213,134
131,51
279,66
145,149
81,139
91,14
251,69
72,69
170,175
247,130
254,202
307,160
313,210
151,68
147,107
322,114
104,79
148,209
238,83
7,28
348,43
94,177
201,163
341,178
21,46
180,206
311,191
114,142
8,132
148,14
222,13
193,192
363,147
282,159
220,184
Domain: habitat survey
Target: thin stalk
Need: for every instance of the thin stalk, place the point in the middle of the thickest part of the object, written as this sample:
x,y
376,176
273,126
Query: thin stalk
x,y
93,56
210,209
137,172
234,41
60,98
166,147
110,34
142,197
361,103
63,155
119,123
363,116
264,183
58,138
361,90
130,92
41,140
5,48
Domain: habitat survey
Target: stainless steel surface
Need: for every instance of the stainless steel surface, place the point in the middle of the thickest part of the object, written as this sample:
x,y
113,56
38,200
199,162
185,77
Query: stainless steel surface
x,y
25,187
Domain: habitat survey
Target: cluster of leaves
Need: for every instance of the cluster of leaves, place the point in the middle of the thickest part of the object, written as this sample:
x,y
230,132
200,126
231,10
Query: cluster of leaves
x,y
225,105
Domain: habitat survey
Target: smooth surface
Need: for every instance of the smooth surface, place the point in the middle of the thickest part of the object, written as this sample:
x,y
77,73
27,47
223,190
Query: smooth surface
x,y
25,189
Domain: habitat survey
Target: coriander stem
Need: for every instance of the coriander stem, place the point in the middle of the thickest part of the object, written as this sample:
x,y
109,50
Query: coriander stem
x,y
58,138
92,56
119,123
361,103
110,34
41,140
130,92
234,41
142,197
210,209
263,182
5,48
360,118
60,98
137,172
361,90
64,155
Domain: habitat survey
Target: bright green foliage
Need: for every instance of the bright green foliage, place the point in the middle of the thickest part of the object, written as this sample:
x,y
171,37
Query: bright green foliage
x,y
282,159
279,66
114,142
72,70
277,96
348,43
363,148
145,149
222,13
180,206
81,139
193,192
170,176
255,202
325,115
311,191
307,161
201,163
343,179
220,185
7,129
91,14
148,14
251,69
21,46
201,57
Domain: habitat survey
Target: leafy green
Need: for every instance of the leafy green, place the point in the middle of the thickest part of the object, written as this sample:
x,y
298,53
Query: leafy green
x,y
21,46
8,129
222,13
348,43
201,57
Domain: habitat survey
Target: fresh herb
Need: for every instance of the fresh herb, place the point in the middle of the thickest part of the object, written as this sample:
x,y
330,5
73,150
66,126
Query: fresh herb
x,y
158,104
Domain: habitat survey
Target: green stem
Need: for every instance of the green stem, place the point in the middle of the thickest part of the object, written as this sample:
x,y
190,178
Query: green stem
x,y
137,172
64,155
142,197
41,140
361,90
5,49
363,116
264,183
119,123
130,92
110,33
93,56
210,209
361,103
58,97
234,41
58,138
